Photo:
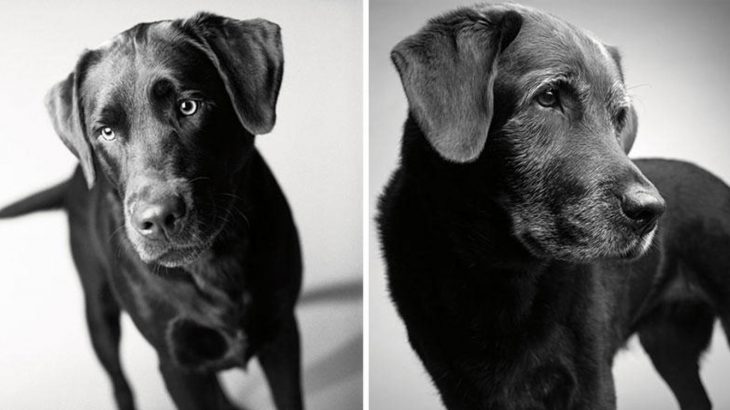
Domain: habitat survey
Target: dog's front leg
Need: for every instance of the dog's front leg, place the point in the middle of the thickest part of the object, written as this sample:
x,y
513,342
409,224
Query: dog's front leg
x,y
194,391
280,362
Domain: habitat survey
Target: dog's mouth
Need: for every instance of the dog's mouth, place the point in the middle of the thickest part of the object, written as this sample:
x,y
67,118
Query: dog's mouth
x,y
188,243
170,255
176,257
638,245
614,243
176,252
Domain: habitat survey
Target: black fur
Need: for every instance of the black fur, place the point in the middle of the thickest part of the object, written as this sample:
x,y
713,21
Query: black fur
x,y
221,288
516,275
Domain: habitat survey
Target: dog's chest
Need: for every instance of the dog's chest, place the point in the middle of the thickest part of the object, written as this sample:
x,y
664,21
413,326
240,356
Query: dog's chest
x,y
210,333
198,315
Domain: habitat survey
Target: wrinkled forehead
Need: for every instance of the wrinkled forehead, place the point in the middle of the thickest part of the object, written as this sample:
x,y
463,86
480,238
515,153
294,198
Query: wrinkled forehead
x,y
548,48
144,59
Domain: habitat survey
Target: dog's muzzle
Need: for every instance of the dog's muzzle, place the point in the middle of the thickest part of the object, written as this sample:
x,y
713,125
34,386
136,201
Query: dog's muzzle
x,y
160,218
160,222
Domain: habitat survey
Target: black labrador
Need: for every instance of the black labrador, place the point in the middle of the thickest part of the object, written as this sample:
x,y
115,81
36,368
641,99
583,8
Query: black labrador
x,y
174,216
523,247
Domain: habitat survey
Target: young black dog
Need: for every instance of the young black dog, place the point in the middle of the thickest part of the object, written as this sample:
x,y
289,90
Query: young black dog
x,y
523,247
185,227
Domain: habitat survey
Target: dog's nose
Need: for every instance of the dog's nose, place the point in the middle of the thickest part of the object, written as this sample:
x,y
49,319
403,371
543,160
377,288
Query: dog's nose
x,y
642,207
160,218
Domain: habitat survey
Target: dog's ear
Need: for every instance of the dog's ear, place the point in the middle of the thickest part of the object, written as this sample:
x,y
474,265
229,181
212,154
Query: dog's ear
x,y
448,70
628,134
64,107
248,56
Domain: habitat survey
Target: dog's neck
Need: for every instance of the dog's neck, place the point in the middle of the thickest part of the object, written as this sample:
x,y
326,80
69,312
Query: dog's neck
x,y
464,200
455,211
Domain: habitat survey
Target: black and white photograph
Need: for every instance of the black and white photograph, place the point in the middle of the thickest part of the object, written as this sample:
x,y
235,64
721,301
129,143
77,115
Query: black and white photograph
x,y
181,205
551,211
365,204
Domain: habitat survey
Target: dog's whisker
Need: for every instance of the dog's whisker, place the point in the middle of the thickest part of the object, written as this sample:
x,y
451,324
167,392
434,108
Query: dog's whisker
x,y
116,231
200,178
638,86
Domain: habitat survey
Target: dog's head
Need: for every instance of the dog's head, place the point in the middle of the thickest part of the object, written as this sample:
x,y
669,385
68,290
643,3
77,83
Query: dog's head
x,y
543,107
168,112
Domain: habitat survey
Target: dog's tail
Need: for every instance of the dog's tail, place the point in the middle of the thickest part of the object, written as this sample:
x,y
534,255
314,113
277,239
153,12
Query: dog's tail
x,y
50,198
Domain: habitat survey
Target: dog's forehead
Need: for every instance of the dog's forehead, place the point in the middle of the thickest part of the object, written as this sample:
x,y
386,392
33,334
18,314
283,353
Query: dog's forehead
x,y
159,45
548,43
132,60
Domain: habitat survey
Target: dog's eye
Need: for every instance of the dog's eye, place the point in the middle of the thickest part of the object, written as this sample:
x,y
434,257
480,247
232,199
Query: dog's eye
x,y
188,107
107,133
548,98
621,119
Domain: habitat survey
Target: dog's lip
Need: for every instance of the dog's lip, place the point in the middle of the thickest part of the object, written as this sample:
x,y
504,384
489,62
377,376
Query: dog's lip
x,y
640,245
168,253
632,247
171,255
179,256
632,252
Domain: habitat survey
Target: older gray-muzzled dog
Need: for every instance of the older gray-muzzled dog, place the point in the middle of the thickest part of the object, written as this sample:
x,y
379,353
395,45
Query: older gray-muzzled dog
x,y
523,247
174,216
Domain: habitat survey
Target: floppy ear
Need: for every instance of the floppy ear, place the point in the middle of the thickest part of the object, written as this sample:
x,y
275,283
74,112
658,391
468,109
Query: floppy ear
x,y
63,105
448,70
249,59
628,134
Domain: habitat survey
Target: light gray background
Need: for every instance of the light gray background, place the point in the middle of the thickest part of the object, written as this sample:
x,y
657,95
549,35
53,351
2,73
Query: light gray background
x,y
315,150
676,60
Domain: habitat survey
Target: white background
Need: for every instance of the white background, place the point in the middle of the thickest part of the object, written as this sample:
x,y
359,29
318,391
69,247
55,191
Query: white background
x,y
315,150
676,60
